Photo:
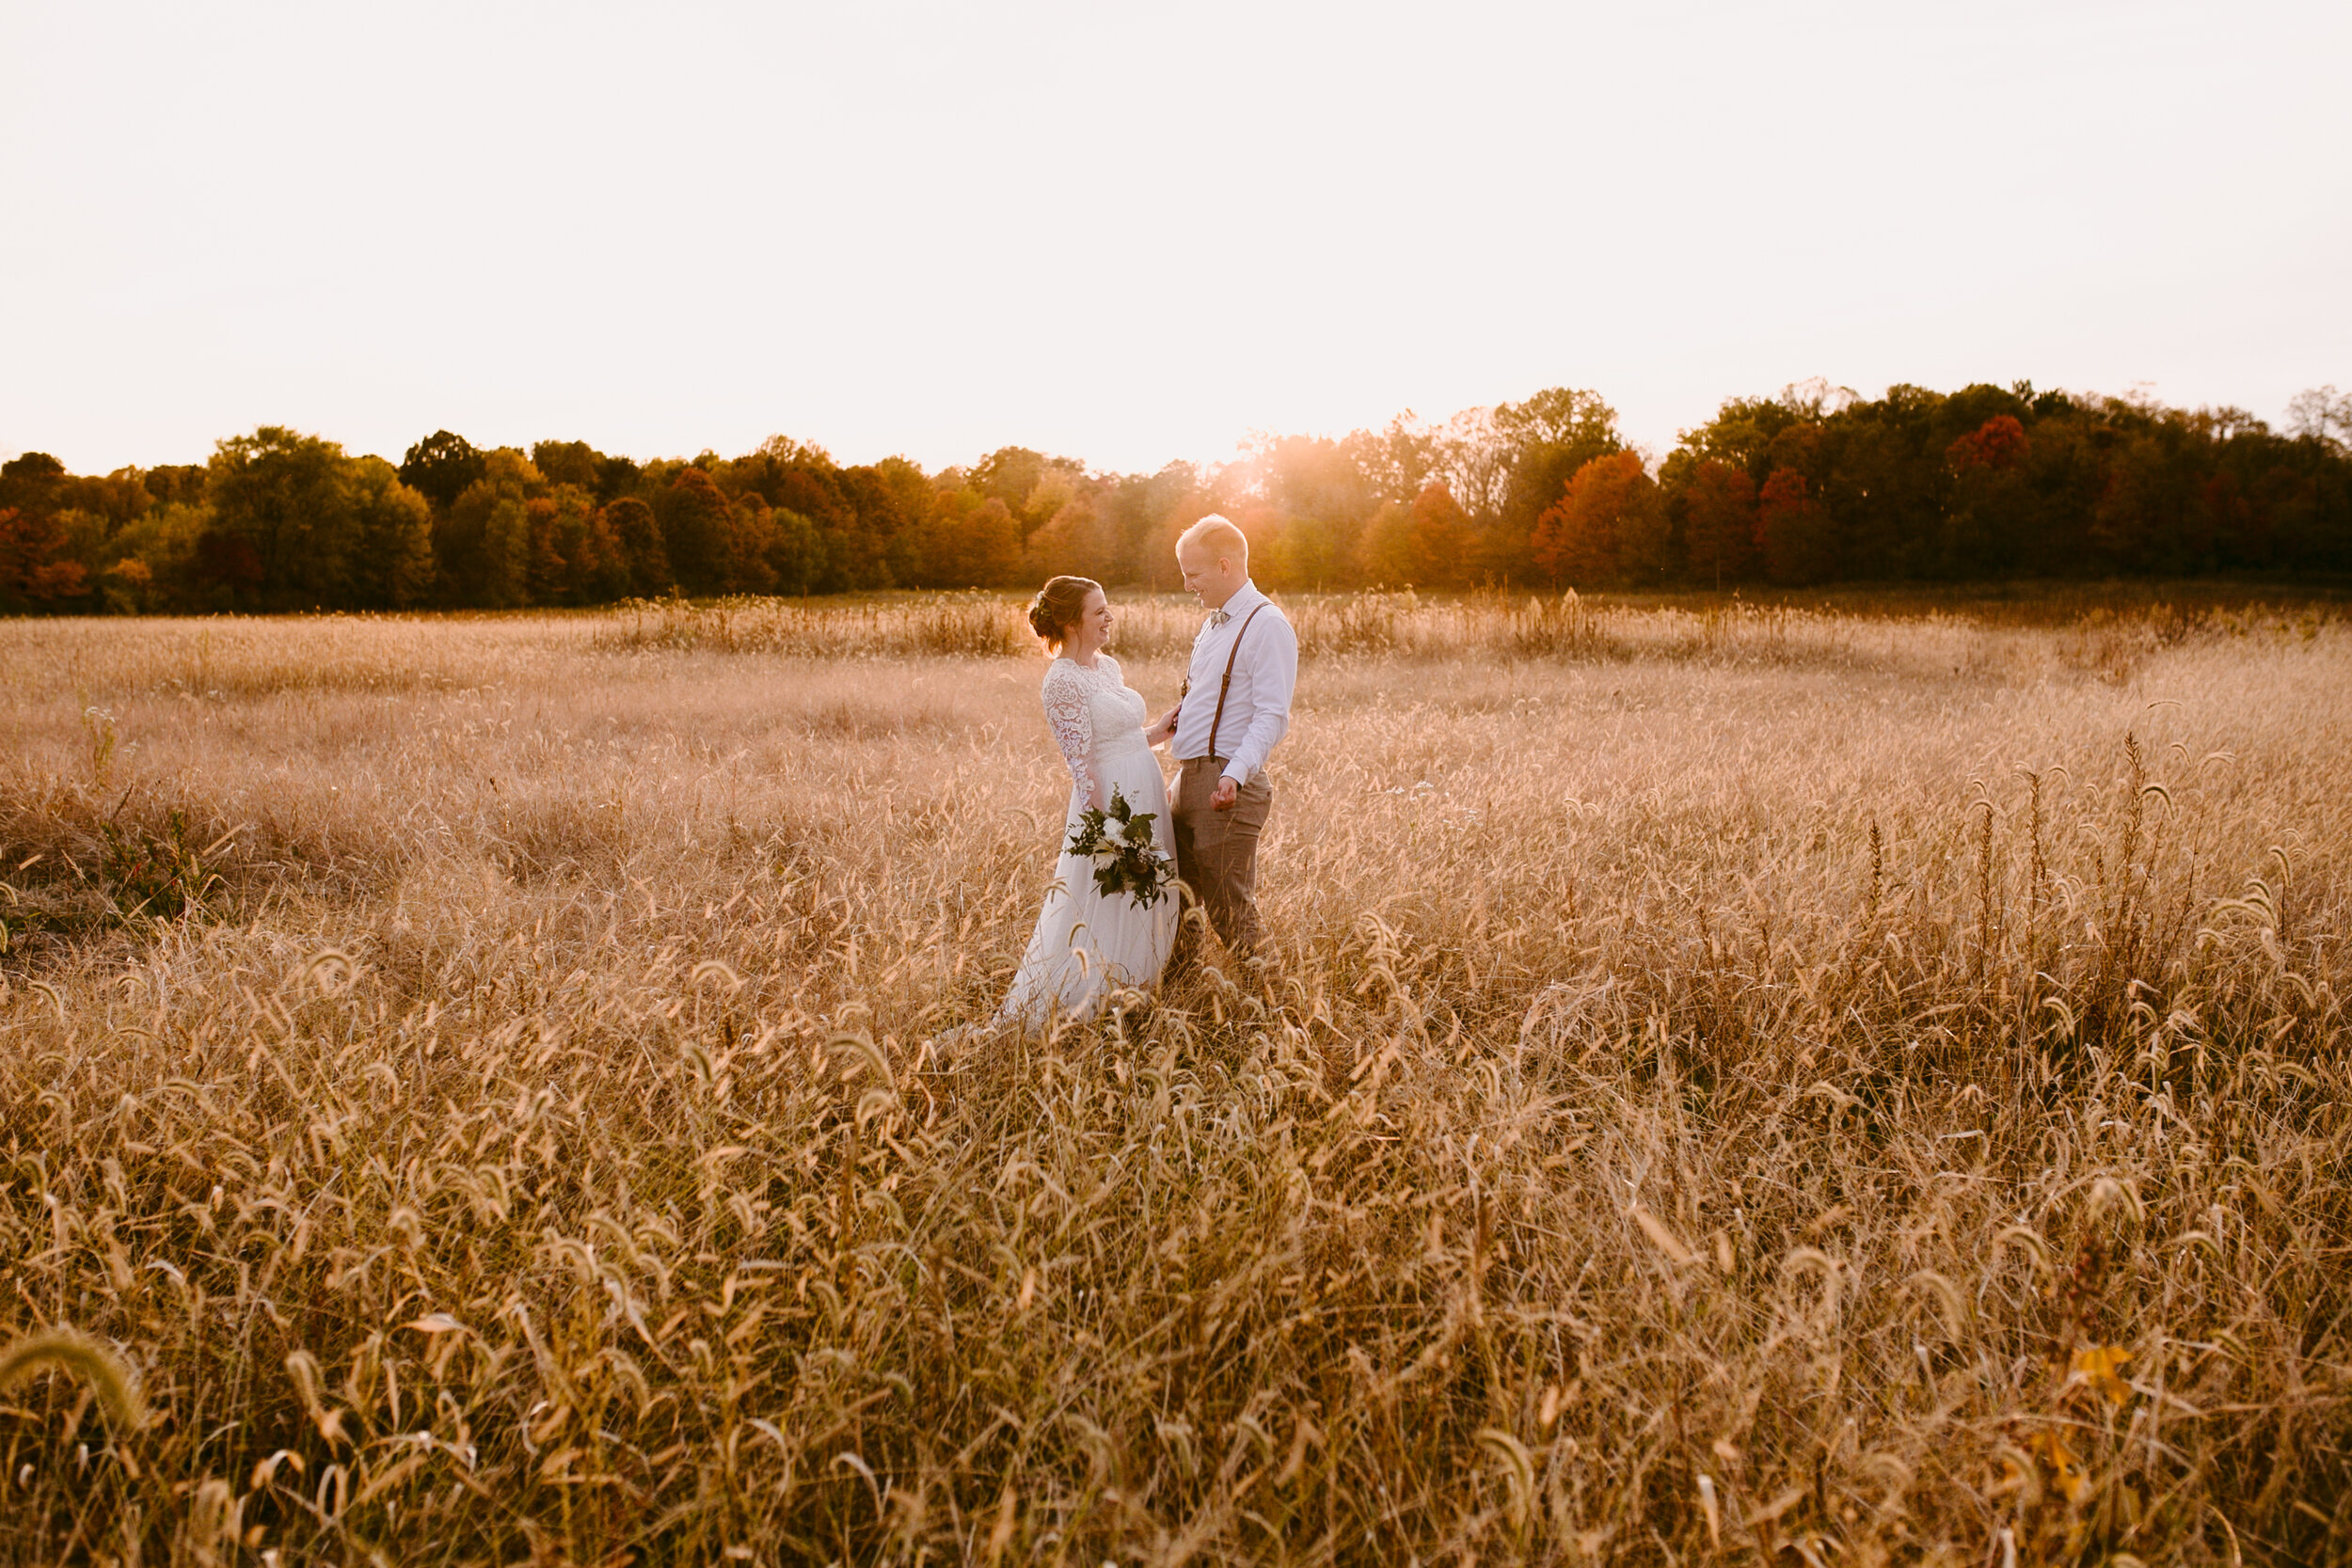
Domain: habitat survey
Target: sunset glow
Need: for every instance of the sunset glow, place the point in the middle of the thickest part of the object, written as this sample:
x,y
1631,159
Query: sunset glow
x,y
937,229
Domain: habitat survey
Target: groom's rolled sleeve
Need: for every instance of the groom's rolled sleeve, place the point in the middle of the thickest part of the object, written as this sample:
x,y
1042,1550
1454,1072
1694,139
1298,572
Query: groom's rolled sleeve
x,y
1274,677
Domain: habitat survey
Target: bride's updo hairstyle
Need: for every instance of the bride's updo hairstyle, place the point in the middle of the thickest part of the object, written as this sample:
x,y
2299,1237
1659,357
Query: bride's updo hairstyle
x,y
1057,608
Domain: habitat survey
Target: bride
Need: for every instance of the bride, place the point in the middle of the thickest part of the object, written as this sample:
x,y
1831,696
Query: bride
x,y
1087,942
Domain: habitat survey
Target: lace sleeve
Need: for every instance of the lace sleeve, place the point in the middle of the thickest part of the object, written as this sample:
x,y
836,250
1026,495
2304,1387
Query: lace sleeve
x,y
1070,716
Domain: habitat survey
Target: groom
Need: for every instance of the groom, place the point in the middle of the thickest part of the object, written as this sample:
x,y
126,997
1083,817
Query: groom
x,y
1235,705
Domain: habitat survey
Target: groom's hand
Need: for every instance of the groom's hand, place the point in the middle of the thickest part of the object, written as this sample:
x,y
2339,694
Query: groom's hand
x,y
1228,790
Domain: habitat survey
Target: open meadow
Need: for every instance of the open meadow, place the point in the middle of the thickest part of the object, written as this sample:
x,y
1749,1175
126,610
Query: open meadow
x,y
1737,1082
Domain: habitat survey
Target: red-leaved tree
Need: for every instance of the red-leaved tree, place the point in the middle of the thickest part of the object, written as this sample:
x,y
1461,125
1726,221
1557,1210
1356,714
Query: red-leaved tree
x,y
1998,444
1721,522
1793,530
1607,526
33,564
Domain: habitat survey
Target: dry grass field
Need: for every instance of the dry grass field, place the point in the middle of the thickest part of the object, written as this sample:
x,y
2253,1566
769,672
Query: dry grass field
x,y
1804,1087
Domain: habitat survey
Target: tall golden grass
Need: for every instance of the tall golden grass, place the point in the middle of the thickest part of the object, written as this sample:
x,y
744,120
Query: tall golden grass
x,y
1739,1082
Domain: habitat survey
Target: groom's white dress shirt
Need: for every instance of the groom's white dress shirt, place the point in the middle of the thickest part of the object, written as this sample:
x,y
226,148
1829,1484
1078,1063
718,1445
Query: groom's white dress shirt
x,y
1258,704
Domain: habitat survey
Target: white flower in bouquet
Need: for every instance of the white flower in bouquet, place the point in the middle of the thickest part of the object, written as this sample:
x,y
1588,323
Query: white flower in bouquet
x,y
1127,858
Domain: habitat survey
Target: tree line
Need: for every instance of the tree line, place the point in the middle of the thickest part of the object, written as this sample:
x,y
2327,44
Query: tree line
x,y
1812,485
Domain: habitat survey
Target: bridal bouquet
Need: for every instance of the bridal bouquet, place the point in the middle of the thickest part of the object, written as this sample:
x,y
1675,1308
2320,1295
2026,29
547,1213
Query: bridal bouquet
x,y
1126,857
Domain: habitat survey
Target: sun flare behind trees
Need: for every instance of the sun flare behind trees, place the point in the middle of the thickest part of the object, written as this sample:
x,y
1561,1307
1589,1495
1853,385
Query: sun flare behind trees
x,y
1811,485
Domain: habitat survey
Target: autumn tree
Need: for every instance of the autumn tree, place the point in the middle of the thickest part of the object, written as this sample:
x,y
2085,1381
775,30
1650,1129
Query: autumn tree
x,y
1077,539
1313,477
35,569
1148,512
751,546
1812,484
1395,461
1608,527
637,533
1443,535
226,569
1996,446
1719,522
1032,485
1988,493
174,483
1312,553
1421,546
968,541
697,529
1385,553
574,558
1548,438
128,587
29,483
1792,530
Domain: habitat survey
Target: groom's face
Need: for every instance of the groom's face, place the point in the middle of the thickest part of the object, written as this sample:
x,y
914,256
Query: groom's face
x,y
1211,578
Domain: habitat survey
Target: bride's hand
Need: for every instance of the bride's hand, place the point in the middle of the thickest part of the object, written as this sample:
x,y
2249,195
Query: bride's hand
x,y
1164,731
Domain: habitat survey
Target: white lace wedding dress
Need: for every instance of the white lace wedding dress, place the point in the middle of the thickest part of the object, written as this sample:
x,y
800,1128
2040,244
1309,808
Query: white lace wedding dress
x,y
1086,945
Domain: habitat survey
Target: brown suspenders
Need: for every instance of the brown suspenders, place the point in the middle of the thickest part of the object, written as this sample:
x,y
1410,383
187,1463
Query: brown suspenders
x,y
1226,685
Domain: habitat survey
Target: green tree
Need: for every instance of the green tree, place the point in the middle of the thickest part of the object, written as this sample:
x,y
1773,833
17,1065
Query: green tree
x,y
291,500
391,555
574,462
483,543
796,551
1386,552
440,466
163,540
1311,553
1032,485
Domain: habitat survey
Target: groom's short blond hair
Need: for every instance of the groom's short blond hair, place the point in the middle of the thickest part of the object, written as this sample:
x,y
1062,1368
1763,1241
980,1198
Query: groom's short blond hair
x,y
1218,536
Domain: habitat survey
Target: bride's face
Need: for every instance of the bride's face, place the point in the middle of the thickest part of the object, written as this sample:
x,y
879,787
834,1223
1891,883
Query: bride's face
x,y
1093,630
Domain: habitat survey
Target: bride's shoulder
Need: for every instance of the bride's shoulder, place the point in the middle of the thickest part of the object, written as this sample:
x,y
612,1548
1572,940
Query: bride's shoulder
x,y
1062,672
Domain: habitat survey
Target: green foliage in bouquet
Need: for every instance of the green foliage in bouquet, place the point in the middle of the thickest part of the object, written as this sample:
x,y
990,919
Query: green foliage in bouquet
x,y
1127,858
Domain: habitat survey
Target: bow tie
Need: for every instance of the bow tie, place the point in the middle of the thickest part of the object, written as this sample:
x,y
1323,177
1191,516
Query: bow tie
x,y
1218,617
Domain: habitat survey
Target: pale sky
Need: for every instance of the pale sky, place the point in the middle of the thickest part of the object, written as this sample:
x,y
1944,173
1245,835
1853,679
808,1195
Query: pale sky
x,y
1131,235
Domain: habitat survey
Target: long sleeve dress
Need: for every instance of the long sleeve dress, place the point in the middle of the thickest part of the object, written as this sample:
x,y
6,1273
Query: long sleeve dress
x,y
1086,944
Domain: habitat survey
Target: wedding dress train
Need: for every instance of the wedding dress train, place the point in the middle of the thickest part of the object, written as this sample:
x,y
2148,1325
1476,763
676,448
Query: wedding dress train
x,y
1087,945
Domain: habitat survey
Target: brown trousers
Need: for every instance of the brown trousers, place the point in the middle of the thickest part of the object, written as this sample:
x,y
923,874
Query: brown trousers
x,y
1216,855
